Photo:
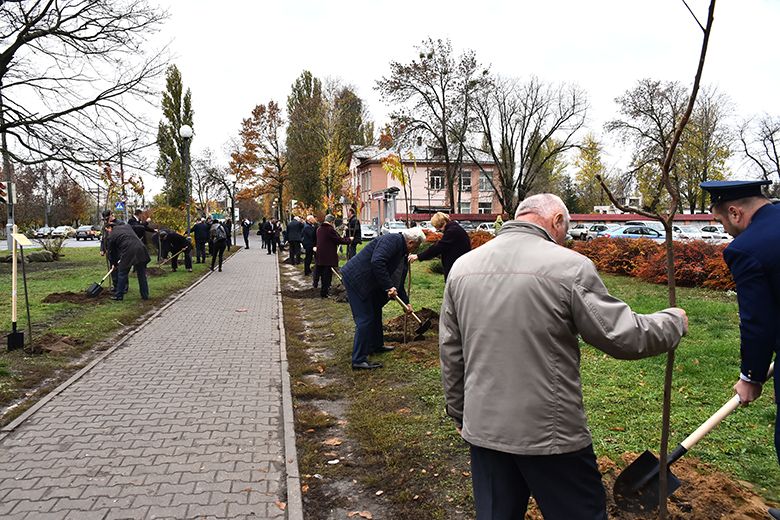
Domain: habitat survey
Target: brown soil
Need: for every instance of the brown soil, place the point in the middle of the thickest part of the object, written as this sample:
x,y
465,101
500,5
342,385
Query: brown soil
x,y
705,494
394,329
155,271
72,297
55,343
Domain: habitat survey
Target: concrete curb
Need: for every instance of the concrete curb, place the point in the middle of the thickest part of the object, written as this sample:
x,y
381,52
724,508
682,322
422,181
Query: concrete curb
x,y
294,498
10,427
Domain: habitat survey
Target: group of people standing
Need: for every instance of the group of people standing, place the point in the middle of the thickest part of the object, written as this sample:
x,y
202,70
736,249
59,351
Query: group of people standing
x,y
215,234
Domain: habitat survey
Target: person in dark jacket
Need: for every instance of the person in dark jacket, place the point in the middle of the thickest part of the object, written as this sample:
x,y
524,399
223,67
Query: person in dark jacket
x,y
354,232
309,240
218,240
171,243
246,226
228,225
454,243
753,258
262,230
200,232
108,220
295,237
274,232
130,253
328,241
372,278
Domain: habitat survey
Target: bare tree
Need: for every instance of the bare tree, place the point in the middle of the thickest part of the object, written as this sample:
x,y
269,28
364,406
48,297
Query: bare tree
x,y
525,126
667,219
435,96
203,173
70,70
760,139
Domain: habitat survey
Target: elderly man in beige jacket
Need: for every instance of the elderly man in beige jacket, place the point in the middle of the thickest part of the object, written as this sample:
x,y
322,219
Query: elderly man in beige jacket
x,y
512,382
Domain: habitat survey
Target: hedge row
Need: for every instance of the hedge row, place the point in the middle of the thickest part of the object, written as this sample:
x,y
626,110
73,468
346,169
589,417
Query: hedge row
x,y
477,237
696,263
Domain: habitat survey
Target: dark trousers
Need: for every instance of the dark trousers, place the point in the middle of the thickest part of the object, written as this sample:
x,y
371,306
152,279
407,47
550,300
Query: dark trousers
x,y
295,251
308,258
123,281
217,249
566,486
367,314
200,252
273,242
351,250
246,239
325,273
187,259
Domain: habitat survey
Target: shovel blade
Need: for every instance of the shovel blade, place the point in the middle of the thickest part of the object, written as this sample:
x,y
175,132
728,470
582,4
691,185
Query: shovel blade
x,y
94,290
636,488
423,328
15,341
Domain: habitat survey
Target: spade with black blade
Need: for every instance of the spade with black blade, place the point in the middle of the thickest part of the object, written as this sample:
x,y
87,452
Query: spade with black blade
x,y
424,325
636,488
94,290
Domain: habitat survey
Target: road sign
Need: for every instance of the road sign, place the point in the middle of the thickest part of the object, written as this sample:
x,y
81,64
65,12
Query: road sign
x,y
119,206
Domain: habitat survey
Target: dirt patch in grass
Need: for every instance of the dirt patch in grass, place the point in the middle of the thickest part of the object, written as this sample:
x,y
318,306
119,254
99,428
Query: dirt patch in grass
x,y
155,271
56,344
394,328
74,297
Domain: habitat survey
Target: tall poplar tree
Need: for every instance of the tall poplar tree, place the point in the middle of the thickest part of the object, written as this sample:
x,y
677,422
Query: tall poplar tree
x,y
177,111
305,140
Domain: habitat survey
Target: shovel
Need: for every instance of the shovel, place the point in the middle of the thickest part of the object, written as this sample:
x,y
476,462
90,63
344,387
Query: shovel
x,y
94,290
424,325
636,488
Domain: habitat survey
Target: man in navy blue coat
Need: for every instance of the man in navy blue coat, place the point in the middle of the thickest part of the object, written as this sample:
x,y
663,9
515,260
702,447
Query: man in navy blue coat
x,y
372,278
754,261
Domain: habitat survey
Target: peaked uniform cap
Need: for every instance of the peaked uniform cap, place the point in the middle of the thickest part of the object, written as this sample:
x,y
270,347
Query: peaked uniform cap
x,y
724,191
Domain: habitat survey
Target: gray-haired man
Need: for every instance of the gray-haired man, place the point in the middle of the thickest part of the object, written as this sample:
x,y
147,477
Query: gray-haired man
x,y
512,382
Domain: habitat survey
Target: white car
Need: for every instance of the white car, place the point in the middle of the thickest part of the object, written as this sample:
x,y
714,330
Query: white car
x,y
63,232
687,233
579,232
487,226
367,232
395,226
715,232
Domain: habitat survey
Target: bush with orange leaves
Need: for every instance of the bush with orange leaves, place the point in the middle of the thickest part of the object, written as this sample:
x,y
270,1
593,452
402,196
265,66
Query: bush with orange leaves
x,y
477,237
697,263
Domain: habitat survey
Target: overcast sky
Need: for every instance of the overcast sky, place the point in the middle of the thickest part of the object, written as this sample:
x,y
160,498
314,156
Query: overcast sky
x,y
235,54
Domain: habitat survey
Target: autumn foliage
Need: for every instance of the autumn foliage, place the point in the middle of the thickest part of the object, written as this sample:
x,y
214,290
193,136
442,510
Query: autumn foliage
x,y
696,264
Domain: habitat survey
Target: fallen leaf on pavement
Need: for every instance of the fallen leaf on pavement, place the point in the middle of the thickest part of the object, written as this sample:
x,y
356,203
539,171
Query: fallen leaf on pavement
x,y
362,514
333,441
281,505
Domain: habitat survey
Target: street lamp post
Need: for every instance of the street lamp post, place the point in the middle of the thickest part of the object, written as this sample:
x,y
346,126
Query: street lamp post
x,y
185,132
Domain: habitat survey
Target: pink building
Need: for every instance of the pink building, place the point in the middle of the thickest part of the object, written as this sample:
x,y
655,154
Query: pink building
x,y
382,197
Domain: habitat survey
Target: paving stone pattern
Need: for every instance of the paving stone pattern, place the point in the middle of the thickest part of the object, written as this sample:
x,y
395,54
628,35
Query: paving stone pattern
x,y
182,421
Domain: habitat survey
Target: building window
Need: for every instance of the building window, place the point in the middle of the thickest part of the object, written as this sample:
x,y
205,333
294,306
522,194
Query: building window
x,y
436,180
485,207
465,181
484,181
465,207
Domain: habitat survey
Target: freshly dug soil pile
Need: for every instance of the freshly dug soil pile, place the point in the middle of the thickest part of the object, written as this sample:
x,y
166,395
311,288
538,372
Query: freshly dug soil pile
x,y
155,271
705,494
301,294
55,343
72,297
394,329
338,293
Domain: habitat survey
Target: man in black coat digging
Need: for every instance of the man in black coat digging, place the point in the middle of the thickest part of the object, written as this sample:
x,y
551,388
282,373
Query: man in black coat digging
x,y
125,246
171,243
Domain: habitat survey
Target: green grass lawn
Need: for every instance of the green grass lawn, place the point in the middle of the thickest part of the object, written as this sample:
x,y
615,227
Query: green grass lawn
x,y
21,373
623,398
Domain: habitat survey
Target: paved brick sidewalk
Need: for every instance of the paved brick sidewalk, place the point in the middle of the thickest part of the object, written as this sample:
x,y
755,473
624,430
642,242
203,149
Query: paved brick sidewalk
x,y
182,421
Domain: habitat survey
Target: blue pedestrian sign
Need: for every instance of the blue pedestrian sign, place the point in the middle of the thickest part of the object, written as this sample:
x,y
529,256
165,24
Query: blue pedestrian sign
x,y
119,206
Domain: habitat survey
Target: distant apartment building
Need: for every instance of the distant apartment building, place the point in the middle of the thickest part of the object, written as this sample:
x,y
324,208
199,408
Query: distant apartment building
x,y
381,197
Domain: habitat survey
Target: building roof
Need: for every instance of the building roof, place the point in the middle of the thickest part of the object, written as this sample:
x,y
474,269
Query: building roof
x,y
421,154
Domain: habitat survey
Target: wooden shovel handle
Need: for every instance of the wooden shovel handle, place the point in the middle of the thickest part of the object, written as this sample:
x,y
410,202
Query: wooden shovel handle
x,y
400,301
716,418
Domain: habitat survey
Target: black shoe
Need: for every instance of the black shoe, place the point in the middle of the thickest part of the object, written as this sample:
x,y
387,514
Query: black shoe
x,y
383,349
116,298
774,513
220,269
366,365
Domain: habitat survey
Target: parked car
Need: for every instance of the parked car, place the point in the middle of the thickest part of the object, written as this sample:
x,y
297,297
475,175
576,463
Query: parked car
x,y
467,225
634,232
367,232
647,223
579,232
687,233
88,233
43,232
394,226
63,232
487,226
715,232
597,230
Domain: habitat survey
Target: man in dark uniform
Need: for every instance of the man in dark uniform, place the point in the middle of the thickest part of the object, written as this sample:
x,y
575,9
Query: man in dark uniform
x,y
295,237
108,219
353,232
129,252
754,261
140,227
171,243
309,241
201,233
246,226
